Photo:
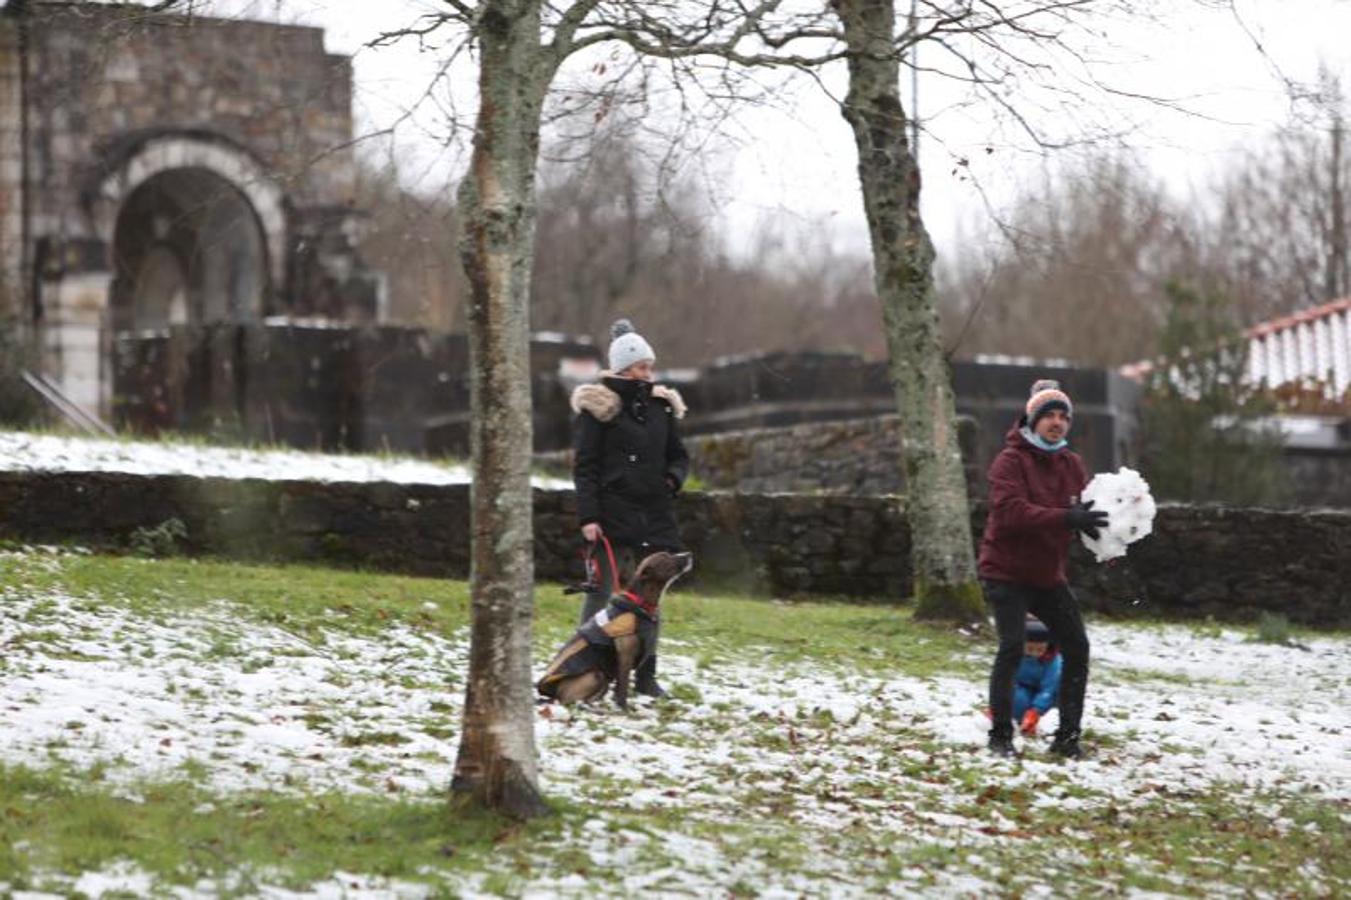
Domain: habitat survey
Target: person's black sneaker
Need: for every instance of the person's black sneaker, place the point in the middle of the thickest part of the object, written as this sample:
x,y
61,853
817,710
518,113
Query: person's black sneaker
x,y
1067,746
1002,745
649,688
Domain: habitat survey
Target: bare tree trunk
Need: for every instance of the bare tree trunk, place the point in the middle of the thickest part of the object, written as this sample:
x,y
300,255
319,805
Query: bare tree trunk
x,y
497,763
1337,265
940,523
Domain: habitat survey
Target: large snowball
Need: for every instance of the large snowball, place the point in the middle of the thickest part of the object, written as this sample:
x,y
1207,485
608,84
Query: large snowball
x,y
1125,497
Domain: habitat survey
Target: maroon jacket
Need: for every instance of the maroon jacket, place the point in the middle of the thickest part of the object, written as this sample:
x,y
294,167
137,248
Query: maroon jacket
x,y
1026,540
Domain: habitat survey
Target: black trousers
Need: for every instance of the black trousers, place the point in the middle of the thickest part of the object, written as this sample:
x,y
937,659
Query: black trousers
x,y
1059,610
594,601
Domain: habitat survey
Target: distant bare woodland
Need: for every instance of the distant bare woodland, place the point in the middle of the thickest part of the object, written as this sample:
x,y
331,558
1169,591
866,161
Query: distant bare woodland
x,y
1077,268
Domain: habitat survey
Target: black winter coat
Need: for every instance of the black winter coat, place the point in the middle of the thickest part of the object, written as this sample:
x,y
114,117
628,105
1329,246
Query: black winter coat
x,y
629,462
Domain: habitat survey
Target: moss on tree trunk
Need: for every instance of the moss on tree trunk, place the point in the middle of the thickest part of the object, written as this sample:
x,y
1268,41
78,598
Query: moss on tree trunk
x,y
944,566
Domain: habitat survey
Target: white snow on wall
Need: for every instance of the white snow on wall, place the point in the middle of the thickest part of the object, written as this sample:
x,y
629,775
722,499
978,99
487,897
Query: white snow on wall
x,y
23,451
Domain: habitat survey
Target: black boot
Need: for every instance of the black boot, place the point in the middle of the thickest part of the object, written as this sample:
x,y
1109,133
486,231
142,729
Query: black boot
x,y
1067,745
646,679
1001,744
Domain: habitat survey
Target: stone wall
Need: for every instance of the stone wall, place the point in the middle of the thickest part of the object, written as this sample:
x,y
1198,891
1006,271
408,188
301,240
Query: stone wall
x,y
106,76
862,456
1319,477
854,456
372,388
1201,561
11,176
776,390
164,167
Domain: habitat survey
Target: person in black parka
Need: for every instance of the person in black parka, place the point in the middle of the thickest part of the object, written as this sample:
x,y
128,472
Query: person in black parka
x,y
629,464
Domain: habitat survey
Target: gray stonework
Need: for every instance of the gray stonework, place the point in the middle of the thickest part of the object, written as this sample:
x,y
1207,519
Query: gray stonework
x,y
775,390
853,456
163,168
1201,562
1320,477
11,176
850,456
371,388
106,80
862,456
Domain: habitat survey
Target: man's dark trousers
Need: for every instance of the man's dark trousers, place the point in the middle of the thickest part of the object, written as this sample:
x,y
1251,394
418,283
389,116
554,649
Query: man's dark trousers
x,y
1057,608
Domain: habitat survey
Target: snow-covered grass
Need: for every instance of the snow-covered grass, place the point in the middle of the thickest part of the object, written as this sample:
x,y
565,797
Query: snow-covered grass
x,y
201,729
31,451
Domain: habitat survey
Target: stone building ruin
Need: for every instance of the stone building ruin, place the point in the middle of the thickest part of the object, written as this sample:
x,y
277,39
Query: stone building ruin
x,y
161,170
178,239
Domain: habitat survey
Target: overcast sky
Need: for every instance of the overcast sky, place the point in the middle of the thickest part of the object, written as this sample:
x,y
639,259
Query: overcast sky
x,y
795,165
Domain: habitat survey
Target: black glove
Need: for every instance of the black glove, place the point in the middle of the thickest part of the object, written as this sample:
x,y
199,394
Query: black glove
x,y
1083,517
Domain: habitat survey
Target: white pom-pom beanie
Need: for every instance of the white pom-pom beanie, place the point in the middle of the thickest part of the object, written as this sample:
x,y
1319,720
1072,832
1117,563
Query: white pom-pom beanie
x,y
627,346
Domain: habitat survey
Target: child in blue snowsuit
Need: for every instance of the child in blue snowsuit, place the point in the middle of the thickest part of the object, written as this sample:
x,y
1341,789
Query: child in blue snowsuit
x,y
1036,687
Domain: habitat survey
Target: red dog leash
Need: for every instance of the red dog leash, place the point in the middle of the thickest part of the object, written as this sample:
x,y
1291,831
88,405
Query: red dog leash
x,y
614,566
633,598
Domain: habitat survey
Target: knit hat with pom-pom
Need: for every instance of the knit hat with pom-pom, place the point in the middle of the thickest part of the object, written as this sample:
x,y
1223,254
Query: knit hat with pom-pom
x,y
627,346
1046,396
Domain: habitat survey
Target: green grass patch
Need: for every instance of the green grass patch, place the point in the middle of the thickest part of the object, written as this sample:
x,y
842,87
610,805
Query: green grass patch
x,y
1273,628
1132,675
299,598
58,822
1185,842
716,628
786,799
310,600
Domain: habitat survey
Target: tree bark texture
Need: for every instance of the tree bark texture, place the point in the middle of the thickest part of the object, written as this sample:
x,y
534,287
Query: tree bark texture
x,y
943,564
497,763
1338,278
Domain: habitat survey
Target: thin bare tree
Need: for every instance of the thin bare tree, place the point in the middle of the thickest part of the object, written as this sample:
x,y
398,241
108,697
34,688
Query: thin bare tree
x,y
405,237
1001,51
518,47
618,238
1080,271
1278,238
497,762
944,568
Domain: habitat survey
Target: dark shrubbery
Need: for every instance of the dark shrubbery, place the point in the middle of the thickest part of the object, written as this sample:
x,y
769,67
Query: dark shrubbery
x,y
19,406
1208,436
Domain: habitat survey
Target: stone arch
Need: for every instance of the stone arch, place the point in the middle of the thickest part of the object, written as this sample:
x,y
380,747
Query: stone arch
x,y
210,158
187,248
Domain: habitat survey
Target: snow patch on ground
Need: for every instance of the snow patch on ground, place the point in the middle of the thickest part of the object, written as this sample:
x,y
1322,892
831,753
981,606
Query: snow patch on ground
x,y
812,749
260,707
124,879
22,451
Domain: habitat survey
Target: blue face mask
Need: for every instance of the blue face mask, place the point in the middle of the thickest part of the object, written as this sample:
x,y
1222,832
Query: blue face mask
x,y
1036,440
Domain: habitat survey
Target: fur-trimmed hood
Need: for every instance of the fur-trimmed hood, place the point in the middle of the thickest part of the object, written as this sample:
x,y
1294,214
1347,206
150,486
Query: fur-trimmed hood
x,y
671,396
605,404
596,399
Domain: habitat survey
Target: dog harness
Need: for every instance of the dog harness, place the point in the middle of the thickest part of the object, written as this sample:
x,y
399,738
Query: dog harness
x,y
592,646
